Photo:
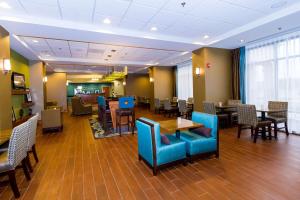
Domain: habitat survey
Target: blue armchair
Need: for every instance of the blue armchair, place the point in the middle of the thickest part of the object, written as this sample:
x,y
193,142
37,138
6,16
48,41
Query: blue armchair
x,y
197,145
154,153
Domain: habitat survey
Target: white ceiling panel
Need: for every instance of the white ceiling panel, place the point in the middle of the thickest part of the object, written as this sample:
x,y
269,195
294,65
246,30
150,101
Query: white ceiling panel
x,y
42,9
140,12
152,3
165,18
14,6
112,8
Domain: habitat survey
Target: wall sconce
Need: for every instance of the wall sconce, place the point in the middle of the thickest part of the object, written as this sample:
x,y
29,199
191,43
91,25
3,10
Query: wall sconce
x,y
124,83
198,71
45,79
151,80
6,66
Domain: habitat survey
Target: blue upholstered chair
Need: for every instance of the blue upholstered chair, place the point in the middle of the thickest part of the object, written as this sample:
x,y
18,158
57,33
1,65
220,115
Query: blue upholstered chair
x,y
198,145
150,148
126,109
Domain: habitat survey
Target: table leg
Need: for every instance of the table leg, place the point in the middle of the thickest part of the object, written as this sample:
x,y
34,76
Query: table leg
x,y
263,118
178,134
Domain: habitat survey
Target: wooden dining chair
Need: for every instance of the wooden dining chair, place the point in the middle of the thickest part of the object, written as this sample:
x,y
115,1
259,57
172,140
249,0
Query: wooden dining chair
x,y
16,155
279,117
210,108
247,119
32,125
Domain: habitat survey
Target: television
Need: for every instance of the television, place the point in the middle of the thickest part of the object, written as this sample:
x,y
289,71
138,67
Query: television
x,y
18,81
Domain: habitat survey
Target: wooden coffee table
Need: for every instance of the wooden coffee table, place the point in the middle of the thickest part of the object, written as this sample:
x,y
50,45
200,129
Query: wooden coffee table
x,y
177,125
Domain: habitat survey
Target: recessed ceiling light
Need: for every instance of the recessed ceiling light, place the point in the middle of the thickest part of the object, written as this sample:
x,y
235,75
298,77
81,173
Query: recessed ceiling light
x,y
35,41
153,28
106,21
242,41
109,56
113,50
206,36
278,4
4,5
279,28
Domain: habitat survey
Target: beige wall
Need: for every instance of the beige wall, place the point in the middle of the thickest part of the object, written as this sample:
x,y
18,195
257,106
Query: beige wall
x,y
163,82
37,85
56,89
214,84
5,83
198,60
218,76
138,85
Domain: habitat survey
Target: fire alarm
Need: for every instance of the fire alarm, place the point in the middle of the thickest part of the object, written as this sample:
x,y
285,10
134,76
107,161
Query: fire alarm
x,y
208,65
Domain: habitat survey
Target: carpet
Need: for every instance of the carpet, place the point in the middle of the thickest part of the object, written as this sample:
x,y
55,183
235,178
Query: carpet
x,y
99,132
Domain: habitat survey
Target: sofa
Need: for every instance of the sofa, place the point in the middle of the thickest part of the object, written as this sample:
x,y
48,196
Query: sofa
x,y
78,108
197,145
152,151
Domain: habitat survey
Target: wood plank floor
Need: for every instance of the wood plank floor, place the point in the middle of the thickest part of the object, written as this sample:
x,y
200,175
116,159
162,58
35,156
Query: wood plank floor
x,y
73,165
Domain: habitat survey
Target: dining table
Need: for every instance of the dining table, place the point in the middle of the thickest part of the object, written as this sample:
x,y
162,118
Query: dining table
x,y
177,125
228,109
265,111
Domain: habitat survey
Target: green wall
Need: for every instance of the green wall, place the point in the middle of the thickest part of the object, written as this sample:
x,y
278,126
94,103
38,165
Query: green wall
x,y
21,65
91,87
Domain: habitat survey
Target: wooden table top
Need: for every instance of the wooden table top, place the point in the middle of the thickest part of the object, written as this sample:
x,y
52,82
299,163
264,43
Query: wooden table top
x,y
177,124
5,135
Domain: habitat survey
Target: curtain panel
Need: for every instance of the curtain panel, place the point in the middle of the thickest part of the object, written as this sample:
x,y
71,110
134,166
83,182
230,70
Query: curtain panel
x,y
236,73
273,73
185,80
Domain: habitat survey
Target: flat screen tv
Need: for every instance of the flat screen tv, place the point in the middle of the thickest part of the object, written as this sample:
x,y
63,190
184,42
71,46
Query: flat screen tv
x,y
18,80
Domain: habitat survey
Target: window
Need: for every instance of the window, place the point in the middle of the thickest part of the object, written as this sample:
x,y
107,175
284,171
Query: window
x,y
273,73
185,80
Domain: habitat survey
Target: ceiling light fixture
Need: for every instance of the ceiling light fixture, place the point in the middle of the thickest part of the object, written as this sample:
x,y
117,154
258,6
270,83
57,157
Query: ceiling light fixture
x,y
242,41
153,28
4,5
106,21
206,36
278,4
35,41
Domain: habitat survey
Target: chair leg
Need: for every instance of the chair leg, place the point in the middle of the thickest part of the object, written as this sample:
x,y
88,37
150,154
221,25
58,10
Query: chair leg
x,y
154,171
286,128
270,132
252,130
27,175
239,130
255,135
35,154
275,130
140,158
13,183
28,163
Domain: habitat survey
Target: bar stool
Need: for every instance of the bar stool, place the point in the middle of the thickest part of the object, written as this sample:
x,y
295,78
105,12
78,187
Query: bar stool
x,y
126,108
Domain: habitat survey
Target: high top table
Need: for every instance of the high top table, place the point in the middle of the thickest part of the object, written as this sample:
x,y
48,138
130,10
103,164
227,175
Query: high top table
x,y
177,125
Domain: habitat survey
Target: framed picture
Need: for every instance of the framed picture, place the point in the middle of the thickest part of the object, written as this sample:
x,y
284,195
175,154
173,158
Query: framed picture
x,y
13,114
28,96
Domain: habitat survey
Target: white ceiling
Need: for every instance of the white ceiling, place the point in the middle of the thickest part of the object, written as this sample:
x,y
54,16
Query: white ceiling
x,y
73,32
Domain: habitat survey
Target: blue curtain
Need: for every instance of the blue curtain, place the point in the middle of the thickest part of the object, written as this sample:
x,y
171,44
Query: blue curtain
x,y
243,74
